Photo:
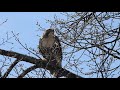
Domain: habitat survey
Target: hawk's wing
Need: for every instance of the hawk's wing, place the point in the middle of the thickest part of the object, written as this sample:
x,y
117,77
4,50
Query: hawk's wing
x,y
58,48
42,50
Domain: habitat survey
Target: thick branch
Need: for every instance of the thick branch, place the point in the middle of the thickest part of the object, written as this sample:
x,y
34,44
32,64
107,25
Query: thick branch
x,y
38,63
27,71
10,68
19,56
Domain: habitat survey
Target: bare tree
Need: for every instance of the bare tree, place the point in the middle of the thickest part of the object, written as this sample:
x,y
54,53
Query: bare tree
x,y
90,43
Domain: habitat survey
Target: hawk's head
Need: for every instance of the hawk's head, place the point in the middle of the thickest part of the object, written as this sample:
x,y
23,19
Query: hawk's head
x,y
48,32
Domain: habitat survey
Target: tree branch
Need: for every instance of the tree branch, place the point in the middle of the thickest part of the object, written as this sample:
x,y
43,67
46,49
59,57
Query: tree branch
x,y
19,56
27,71
38,63
10,68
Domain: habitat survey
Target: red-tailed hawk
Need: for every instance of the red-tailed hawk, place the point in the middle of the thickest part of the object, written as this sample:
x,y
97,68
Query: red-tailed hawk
x,y
50,48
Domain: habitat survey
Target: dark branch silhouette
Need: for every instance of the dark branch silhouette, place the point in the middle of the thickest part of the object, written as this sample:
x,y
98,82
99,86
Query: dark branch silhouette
x,y
39,63
27,71
10,68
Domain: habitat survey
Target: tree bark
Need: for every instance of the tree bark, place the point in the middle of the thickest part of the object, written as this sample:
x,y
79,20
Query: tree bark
x,y
39,64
